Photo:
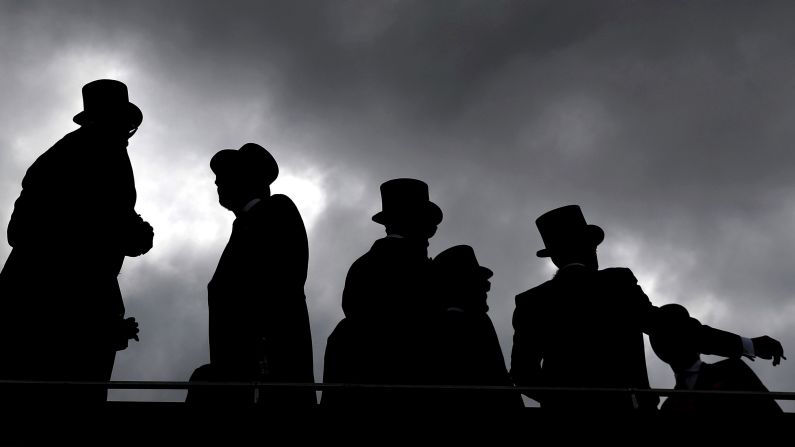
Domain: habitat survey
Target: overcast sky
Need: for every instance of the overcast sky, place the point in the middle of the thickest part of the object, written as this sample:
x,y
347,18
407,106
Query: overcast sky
x,y
670,123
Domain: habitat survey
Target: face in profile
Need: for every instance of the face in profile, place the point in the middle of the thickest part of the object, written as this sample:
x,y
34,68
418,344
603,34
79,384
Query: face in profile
x,y
467,289
230,191
480,290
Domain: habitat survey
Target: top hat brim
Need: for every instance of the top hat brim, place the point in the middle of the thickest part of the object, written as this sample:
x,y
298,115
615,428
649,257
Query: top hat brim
x,y
593,235
479,271
224,160
133,114
485,272
431,214
234,161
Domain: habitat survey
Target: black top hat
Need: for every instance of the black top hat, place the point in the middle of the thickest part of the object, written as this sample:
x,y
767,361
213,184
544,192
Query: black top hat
x,y
460,260
566,227
251,161
108,98
674,335
674,318
406,198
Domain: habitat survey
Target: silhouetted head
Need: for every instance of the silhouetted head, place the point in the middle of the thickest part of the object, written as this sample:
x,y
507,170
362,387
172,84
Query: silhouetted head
x,y
407,210
243,174
568,238
463,282
674,337
107,108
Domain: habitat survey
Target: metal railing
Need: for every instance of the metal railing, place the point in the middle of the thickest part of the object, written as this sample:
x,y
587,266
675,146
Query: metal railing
x,y
175,385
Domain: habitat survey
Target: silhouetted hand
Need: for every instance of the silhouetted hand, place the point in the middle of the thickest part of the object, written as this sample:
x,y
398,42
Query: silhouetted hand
x,y
130,328
767,347
126,330
140,239
147,236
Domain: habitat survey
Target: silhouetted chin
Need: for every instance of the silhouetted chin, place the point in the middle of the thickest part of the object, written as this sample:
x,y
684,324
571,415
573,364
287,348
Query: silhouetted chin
x,y
112,131
225,203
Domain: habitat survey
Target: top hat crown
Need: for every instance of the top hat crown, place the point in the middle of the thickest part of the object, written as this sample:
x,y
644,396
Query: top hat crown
x,y
251,160
407,199
674,337
107,98
460,260
566,227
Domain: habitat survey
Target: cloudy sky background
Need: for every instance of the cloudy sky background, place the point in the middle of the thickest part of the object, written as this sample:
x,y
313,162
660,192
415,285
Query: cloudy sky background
x,y
670,123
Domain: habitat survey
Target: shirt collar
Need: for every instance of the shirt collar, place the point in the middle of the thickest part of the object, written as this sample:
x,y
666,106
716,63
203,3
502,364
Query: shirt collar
x,y
573,264
687,377
694,368
251,204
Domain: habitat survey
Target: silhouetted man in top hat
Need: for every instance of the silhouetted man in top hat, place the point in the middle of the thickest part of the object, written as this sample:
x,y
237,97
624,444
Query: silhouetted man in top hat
x,y
387,301
259,325
469,351
586,325
61,310
673,342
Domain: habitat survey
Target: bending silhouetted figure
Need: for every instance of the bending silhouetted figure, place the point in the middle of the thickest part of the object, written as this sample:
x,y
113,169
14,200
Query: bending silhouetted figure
x,y
259,325
469,351
673,344
586,325
388,305
61,310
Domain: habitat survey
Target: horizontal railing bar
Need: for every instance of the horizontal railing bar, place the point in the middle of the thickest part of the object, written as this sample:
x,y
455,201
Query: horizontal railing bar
x,y
166,385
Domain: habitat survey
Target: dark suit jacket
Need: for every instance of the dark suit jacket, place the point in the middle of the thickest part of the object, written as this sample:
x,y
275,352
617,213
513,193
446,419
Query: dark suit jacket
x,y
259,326
389,282
726,375
344,362
587,328
388,306
470,354
60,303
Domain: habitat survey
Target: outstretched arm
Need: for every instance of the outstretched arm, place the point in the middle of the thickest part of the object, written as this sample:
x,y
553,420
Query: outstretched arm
x,y
708,340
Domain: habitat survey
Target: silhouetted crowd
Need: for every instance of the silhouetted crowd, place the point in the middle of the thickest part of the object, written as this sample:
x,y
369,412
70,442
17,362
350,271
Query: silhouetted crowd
x,y
411,322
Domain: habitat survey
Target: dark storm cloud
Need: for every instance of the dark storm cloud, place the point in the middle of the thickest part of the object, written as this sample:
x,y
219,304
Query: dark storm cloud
x,y
668,121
